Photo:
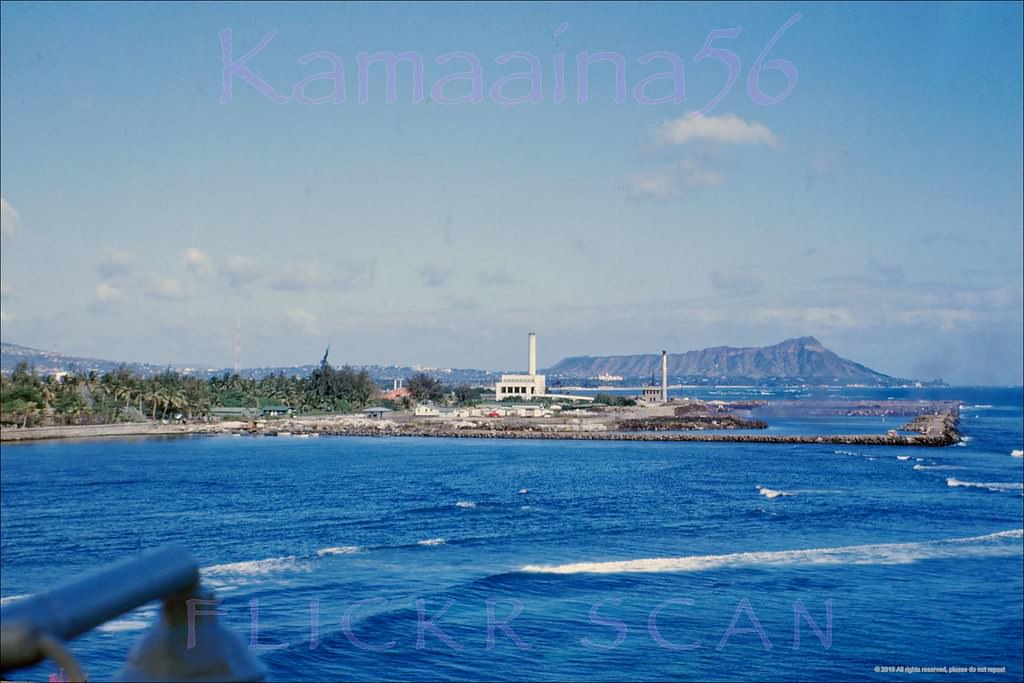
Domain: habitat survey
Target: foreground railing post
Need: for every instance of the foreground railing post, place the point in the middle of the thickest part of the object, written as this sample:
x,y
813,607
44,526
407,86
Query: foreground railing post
x,y
190,645
35,628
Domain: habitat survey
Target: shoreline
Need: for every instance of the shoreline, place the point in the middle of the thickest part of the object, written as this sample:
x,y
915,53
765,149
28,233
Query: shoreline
x,y
942,432
105,431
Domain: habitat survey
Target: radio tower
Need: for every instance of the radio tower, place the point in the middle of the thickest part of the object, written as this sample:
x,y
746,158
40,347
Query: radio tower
x,y
238,346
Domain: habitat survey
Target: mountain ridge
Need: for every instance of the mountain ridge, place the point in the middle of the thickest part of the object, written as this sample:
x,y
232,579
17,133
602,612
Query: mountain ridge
x,y
800,359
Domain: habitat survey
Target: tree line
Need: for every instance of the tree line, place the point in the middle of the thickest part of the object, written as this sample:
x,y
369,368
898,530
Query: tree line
x,y
26,399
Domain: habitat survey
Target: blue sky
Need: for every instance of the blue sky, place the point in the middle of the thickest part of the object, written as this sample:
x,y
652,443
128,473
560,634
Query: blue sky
x,y
877,207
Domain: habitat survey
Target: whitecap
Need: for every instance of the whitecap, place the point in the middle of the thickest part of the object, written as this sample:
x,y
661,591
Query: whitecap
x,y
938,467
119,625
772,493
431,541
1017,453
988,545
254,567
466,504
523,491
903,457
991,486
13,598
338,550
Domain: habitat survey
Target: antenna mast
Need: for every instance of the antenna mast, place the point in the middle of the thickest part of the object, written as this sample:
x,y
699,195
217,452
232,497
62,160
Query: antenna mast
x,y
238,346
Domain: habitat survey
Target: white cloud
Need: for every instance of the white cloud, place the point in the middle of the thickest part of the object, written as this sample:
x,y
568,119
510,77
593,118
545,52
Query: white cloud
x,y
107,293
10,223
196,262
728,129
825,164
115,263
239,270
673,180
166,289
107,297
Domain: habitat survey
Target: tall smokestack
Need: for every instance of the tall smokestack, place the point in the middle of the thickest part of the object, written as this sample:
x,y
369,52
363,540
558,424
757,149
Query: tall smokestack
x,y
664,377
533,354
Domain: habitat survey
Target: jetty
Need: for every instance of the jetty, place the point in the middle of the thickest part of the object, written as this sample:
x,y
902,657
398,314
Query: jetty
x,y
933,425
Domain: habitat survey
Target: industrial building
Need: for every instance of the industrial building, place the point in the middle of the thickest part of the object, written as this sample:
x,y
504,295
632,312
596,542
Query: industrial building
x,y
653,394
523,387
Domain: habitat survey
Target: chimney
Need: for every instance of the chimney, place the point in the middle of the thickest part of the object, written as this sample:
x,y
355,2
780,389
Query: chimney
x,y
532,367
664,377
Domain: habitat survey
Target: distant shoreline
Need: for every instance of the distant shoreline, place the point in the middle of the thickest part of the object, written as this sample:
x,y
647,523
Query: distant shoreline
x,y
107,431
355,427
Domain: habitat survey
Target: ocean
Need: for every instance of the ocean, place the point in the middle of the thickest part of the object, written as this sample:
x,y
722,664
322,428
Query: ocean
x,y
451,559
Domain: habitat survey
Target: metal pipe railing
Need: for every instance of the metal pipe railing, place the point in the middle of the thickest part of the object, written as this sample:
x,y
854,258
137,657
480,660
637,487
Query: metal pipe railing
x,y
34,628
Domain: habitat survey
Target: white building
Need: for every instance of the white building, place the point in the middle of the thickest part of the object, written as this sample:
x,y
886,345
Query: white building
x,y
523,387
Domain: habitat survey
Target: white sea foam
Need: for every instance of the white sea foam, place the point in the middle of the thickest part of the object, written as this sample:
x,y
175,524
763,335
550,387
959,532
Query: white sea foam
x,y
1017,453
989,545
523,491
991,486
938,467
466,504
431,541
13,598
772,493
903,457
119,625
255,567
338,550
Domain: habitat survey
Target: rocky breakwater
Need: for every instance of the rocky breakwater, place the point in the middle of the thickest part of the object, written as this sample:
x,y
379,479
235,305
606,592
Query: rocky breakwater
x,y
942,426
688,423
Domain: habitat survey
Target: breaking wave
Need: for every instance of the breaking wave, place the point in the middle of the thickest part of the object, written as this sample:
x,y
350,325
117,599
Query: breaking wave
x,y
938,467
338,550
431,541
989,545
119,625
772,493
991,486
466,504
254,567
13,598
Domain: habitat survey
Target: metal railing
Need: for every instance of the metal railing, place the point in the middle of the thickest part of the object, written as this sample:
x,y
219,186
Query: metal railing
x,y
186,645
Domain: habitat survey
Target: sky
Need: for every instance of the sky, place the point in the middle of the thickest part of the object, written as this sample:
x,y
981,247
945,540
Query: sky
x,y
758,172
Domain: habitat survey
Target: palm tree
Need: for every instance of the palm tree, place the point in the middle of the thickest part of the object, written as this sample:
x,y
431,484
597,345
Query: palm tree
x,y
155,395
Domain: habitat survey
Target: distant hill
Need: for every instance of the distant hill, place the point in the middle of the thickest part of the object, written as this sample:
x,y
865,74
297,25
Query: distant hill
x,y
49,363
804,361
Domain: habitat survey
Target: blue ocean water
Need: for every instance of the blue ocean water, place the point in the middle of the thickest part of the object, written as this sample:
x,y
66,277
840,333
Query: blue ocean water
x,y
539,560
